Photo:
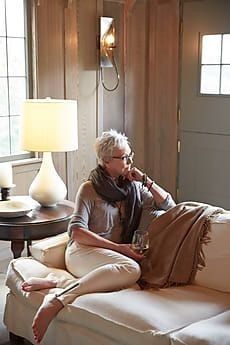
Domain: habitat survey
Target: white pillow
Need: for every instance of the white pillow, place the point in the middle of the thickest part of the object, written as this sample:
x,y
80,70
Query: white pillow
x,y
51,251
216,273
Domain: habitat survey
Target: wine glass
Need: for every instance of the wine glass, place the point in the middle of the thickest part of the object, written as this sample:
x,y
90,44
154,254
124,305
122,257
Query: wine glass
x,y
140,241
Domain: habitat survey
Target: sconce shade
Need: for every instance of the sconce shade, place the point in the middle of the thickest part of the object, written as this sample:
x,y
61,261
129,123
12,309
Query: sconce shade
x,y
107,41
107,45
49,125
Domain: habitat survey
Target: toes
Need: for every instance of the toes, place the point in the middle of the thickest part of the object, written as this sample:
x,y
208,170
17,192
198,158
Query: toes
x,y
26,288
36,334
24,284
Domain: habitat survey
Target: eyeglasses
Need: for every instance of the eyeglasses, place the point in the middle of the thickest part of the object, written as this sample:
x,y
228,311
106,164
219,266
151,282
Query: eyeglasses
x,y
128,158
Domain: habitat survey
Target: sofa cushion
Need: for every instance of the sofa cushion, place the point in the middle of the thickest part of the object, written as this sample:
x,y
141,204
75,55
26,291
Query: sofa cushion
x,y
216,273
51,251
213,331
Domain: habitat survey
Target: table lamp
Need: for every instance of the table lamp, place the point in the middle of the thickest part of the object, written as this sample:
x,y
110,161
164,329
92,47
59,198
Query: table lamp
x,y
49,125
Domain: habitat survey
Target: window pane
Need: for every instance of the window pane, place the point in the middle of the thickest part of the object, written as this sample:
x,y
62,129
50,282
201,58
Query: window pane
x,y
225,80
211,49
4,137
13,74
226,49
2,18
17,91
3,97
210,79
16,56
15,18
15,139
3,65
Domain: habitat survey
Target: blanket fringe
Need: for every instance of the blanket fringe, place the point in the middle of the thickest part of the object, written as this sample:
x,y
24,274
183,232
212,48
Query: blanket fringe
x,y
205,238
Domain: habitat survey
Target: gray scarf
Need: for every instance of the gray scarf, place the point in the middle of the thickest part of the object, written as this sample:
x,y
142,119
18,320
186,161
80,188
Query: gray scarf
x,y
112,192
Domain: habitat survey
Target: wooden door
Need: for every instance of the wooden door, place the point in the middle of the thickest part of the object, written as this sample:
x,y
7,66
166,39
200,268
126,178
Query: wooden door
x,y
204,129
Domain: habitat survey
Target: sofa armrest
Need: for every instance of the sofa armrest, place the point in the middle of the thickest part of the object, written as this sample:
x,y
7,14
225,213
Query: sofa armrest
x,y
216,273
51,251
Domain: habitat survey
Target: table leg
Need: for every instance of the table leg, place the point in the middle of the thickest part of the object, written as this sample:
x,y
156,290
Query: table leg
x,y
28,244
17,248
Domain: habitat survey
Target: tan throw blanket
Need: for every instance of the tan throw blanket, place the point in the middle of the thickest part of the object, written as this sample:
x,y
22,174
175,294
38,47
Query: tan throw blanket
x,y
176,240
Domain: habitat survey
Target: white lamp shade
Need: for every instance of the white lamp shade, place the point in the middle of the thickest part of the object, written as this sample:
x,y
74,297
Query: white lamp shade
x,y
49,125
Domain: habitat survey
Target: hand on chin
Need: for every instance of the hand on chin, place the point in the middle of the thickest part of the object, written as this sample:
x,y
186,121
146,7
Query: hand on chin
x,y
126,173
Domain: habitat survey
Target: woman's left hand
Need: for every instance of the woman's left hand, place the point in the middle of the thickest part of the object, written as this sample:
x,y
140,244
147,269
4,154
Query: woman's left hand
x,y
134,174
128,251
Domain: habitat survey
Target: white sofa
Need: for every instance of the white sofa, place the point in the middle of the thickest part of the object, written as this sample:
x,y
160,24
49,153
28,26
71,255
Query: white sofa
x,y
197,314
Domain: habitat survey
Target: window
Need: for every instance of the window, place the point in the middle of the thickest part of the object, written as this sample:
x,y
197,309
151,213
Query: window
x,y
215,64
13,75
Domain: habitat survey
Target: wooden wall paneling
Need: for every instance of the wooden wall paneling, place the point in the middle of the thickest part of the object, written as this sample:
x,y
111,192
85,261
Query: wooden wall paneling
x,y
152,134
113,101
50,48
23,175
135,79
87,86
51,59
151,86
100,89
163,92
71,88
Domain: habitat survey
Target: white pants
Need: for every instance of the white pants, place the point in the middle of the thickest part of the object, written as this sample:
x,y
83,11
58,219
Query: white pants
x,y
98,270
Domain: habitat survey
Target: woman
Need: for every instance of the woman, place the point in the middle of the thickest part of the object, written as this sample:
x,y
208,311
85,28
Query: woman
x,y
115,201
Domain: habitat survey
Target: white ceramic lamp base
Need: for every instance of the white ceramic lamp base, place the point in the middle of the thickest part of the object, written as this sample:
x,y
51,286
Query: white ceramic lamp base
x,y
47,187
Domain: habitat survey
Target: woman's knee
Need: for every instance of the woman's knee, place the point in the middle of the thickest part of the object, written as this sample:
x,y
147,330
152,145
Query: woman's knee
x,y
133,269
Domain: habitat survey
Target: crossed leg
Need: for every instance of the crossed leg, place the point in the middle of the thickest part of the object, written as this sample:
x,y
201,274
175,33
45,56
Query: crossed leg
x,y
100,270
49,308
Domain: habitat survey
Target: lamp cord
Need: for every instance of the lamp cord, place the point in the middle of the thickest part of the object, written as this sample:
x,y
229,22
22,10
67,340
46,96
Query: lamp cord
x,y
117,75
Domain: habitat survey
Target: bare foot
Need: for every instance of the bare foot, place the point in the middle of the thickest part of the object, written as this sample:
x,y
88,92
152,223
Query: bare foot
x,y
45,314
34,283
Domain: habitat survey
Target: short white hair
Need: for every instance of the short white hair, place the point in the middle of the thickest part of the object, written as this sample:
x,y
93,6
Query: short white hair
x,y
106,143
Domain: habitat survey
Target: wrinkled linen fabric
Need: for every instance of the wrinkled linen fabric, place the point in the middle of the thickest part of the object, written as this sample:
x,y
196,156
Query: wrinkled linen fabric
x,y
176,240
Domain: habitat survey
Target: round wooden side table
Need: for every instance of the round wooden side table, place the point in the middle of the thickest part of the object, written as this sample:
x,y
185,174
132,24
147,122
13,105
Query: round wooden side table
x,y
39,223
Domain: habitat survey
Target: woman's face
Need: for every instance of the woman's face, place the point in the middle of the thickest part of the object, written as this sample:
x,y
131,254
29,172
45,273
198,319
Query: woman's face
x,y
120,163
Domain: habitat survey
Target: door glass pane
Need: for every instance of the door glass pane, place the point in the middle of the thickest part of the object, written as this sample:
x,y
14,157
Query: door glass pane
x,y
17,91
3,65
4,137
211,49
16,56
225,80
3,97
2,18
15,18
226,49
210,79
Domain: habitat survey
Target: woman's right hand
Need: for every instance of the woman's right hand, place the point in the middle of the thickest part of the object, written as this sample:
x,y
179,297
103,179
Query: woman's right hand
x,y
126,250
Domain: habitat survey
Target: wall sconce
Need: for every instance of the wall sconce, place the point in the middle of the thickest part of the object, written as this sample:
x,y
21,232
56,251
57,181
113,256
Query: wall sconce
x,y
107,45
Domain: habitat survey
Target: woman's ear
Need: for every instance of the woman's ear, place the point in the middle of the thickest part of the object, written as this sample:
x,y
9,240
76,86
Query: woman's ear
x,y
106,160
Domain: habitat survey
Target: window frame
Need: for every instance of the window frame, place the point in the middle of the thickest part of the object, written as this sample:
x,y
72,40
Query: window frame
x,y
224,95
29,56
